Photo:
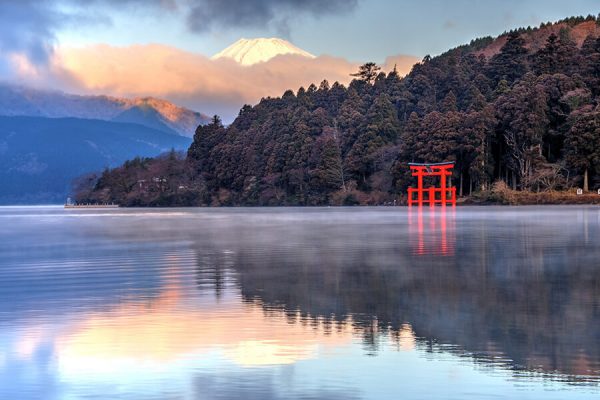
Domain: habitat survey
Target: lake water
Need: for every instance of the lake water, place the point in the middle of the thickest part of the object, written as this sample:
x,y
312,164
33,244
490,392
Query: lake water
x,y
289,303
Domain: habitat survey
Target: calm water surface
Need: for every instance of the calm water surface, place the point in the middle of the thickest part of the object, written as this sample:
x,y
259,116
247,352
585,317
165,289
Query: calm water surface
x,y
325,303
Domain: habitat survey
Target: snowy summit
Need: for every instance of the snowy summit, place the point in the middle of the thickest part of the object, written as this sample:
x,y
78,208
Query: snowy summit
x,y
253,51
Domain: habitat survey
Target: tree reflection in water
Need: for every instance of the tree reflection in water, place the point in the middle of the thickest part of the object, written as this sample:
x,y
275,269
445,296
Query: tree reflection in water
x,y
515,291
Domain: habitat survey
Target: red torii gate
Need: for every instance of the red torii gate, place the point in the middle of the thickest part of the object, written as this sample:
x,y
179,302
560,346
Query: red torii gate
x,y
442,170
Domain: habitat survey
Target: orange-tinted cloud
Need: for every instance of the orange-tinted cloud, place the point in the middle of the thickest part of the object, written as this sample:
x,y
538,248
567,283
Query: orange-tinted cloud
x,y
193,80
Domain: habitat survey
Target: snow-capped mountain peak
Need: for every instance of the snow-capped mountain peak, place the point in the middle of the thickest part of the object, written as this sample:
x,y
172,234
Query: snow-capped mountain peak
x,y
252,51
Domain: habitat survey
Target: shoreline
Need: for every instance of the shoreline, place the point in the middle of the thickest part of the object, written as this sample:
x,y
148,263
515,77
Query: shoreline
x,y
505,197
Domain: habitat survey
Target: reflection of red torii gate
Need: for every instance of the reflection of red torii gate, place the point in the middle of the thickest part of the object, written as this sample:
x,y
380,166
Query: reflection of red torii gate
x,y
432,232
442,170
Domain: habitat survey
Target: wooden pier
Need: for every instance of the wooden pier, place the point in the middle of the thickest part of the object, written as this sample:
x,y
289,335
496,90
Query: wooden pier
x,y
92,206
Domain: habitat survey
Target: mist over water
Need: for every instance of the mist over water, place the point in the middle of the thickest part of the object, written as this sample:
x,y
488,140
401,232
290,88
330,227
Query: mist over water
x,y
319,303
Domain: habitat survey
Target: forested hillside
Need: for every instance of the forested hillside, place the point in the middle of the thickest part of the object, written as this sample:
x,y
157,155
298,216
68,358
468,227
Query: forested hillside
x,y
522,108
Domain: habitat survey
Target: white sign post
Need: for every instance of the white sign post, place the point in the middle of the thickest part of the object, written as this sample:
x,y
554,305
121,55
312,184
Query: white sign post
x,y
579,191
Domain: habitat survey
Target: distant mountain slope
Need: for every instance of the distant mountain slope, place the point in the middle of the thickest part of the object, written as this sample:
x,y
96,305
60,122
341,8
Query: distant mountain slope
x,y
144,115
151,112
39,157
253,51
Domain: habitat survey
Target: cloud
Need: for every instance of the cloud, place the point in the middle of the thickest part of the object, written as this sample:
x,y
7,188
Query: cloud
x,y
211,86
450,24
28,30
206,15
27,27
219,86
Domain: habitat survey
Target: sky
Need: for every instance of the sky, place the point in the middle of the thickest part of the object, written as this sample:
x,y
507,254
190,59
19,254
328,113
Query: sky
x,y
161,47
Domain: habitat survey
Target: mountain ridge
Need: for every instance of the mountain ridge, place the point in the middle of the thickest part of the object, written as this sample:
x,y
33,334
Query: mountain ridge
x,y
25,101
577,28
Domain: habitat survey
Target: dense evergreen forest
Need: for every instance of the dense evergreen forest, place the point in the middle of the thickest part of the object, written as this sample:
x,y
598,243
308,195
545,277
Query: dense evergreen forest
x,y
522,109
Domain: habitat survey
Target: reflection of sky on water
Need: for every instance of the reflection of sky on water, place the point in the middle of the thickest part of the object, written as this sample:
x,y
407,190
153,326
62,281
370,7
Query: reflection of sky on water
x,y
182,305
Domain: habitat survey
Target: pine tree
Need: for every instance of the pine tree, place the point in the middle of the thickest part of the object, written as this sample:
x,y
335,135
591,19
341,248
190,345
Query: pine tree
x,y
557,56
511,63
367,72
330,168
449,102
582,145
523,120
590,63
